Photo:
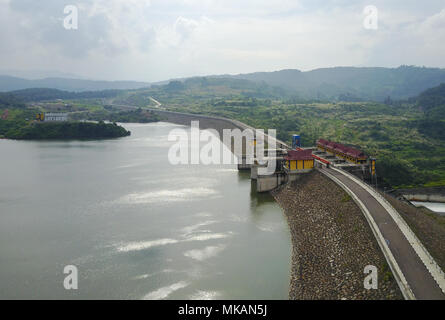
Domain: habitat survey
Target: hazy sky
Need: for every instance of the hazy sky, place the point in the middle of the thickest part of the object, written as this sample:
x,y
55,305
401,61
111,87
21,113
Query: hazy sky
x,y
152,40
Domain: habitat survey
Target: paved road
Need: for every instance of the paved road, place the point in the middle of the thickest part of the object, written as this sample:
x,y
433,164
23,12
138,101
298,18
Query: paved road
x,y
417,275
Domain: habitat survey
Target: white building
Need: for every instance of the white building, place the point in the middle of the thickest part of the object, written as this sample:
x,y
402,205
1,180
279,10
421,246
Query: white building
x,y
56,117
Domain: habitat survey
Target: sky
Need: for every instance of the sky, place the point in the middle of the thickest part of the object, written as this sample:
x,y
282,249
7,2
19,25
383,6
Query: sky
x,y
155,40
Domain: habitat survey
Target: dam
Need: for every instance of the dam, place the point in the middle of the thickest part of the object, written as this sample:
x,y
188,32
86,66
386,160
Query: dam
x,y
417,273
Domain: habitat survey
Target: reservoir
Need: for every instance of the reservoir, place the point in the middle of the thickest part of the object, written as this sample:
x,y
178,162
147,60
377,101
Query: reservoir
x,y
135,226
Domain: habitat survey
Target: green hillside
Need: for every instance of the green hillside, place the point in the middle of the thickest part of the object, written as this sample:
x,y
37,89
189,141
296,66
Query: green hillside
x,y
408,142
370,84
407,136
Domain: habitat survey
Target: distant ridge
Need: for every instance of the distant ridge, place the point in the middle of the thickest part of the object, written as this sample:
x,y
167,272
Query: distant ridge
x,y
325,84
352,83
8,83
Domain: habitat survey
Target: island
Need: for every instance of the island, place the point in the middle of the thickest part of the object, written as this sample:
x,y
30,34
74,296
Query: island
x,y
65,131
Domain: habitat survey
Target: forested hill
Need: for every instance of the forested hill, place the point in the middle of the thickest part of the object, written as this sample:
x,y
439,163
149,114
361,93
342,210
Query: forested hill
x,y
432,100
352,84
327,84
64,131
9,100
8,83
432,103
41,94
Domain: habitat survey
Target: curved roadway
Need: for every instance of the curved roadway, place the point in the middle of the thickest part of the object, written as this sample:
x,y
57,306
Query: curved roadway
x,y
421,282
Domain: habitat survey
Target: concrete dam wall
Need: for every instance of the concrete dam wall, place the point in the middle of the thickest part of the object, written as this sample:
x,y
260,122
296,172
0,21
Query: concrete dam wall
x,y
205,122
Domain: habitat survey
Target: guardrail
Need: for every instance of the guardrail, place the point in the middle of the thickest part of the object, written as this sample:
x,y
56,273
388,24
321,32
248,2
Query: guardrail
x,y
429,262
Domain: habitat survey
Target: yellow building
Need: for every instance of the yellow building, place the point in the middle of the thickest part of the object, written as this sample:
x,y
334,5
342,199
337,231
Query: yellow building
x,y
299,161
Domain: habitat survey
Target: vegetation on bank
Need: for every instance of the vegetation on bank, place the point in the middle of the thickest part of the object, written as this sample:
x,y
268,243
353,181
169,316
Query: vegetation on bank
x,y
17,122
17,116
64,131
407,137
9,100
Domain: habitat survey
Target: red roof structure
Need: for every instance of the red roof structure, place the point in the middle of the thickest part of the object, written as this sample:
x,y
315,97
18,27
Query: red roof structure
x,y
299,155
338,147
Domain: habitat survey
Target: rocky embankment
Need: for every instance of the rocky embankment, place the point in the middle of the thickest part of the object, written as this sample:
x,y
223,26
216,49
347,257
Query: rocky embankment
x,y
332,243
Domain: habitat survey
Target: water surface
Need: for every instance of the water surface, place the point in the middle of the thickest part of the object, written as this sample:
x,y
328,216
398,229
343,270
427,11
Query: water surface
x,y
433,206
134,225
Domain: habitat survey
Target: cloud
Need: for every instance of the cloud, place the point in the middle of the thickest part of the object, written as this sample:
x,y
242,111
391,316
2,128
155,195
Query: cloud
x,y
185,27
104,26
406,39
160,39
